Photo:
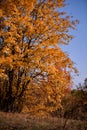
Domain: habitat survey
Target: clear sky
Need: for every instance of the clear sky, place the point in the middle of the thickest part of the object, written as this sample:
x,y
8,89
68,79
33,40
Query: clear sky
x,y
78,46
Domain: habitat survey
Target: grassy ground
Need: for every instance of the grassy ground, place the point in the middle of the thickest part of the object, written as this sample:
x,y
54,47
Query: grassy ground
x,y
10,121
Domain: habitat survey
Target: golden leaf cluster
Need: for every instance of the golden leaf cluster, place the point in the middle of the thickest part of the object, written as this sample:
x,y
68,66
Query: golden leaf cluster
x,y
37,70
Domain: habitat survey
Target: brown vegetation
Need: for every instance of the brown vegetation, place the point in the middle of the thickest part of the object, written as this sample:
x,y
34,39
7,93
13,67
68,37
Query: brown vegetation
x,y
9,121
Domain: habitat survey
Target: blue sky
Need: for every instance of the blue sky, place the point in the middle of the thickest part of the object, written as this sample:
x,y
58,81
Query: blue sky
x,y
78,46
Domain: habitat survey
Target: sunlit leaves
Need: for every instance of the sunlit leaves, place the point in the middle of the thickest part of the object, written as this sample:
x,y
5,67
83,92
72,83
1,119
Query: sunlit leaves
x,y
36,69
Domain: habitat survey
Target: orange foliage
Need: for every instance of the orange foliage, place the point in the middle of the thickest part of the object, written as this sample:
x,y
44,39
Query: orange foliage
x,y
34,65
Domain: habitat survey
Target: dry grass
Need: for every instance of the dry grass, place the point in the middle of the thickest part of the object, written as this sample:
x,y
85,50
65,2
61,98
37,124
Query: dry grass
x,y
10,121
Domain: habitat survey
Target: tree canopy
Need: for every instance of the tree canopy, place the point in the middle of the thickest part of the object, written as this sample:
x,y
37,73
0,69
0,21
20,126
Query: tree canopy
x,y
33,68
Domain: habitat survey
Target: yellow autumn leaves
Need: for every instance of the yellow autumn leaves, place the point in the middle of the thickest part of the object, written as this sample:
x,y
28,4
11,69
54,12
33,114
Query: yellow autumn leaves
x,y
30,56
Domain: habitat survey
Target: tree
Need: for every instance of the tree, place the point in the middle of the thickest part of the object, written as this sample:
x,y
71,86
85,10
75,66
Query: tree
x,y
32,65
75,103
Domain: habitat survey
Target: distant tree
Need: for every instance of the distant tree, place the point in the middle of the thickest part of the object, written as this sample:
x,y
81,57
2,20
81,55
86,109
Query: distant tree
x,y
85,83
75,103
33,68
82,92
